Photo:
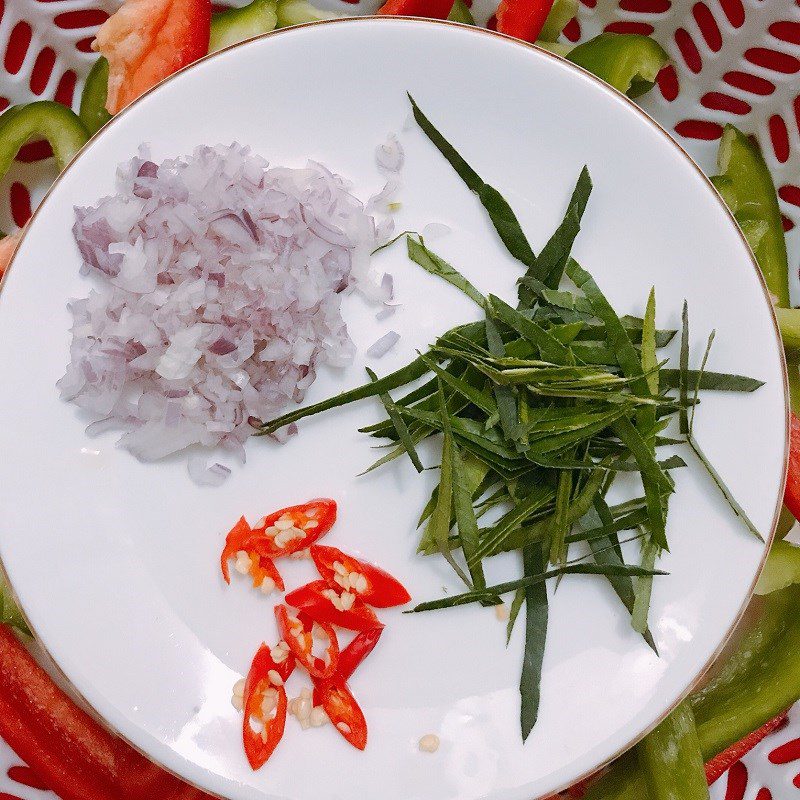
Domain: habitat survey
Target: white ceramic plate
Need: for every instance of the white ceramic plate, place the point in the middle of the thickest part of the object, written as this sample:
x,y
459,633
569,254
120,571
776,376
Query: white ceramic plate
x,y
116,562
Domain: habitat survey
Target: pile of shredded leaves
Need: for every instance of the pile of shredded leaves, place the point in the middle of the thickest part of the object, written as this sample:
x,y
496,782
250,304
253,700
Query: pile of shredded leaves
x,y
539,408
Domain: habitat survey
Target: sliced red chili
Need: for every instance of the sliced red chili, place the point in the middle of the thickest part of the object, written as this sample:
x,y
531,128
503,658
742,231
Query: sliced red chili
x,y
262,568
354,654
233,544
292,529
298,633
342,572
265,702
259,564
344,712
323,604
350,659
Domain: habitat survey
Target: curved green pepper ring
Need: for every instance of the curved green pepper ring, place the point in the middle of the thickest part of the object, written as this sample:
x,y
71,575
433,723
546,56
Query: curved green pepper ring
x,y
238,24
93,112
560,14
746,185
759,678
627,61
43,119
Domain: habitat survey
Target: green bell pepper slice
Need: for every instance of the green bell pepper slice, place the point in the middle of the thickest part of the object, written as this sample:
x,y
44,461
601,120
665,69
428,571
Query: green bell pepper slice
x,y
745,184
238,24
781,570
296,12
759,679
671,760
560,14
43,119
460,13
9,611
93,113
627,61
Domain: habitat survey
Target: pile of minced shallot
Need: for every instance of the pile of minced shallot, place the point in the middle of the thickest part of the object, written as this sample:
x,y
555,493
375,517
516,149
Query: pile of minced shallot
x,y
217,295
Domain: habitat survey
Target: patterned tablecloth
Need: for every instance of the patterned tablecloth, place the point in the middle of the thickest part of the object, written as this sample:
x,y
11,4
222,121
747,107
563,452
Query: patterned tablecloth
x,y
733,61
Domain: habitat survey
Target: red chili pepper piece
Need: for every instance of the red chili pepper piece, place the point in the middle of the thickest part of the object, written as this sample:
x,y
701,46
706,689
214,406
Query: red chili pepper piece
x,y
260,566
721,763
265,702
369,583
323,604
344,712
298,633
433,9
350,659
233,544
523,19
791,496
309,522
76,757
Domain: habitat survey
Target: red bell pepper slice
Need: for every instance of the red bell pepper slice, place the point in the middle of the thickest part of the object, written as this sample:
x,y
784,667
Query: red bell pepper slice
x,y
309,522
721,763
350,659
432,9
523,19
791,495
71,753
370,583
317,600
298,632
344,712
261,686
148,40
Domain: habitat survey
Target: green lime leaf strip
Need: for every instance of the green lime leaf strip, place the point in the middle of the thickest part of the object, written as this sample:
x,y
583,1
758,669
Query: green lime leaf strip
x,y
399,425
683,385
653,478
438,528
607,550
709,381
491,592
550,264
504,395
548,346
393,240
432,263
646,417
500,212
516,607
643,588
559,524
466,522
478,398
628,358
722,486
699,380
411,372
536,617
623,522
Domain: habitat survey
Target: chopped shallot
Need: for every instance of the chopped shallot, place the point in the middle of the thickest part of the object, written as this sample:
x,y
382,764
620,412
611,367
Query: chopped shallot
x,y
383,345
